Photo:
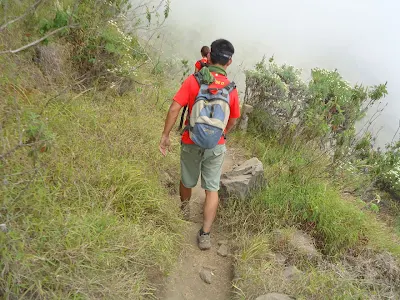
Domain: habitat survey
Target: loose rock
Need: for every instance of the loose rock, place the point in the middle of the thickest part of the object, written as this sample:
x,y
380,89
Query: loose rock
x,y
243,123
206,275
297,241
242,180
304,244
223,250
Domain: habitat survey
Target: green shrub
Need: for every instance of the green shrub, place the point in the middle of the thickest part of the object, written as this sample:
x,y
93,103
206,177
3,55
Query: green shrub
x,y
299,194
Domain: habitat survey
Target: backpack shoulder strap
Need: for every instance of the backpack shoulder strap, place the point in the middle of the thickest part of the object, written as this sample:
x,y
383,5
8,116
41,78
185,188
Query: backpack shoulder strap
x,y
203,64
230,86
199,77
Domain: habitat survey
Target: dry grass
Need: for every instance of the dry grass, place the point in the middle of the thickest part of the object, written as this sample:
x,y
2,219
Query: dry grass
x,y
90,219
259,270
299,195
86,215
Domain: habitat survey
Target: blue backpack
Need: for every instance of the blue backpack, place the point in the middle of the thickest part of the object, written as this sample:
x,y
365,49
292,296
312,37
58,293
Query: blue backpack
x,y
209,114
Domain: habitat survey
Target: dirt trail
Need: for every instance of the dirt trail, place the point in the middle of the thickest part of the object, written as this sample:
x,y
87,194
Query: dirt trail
x,y
184,283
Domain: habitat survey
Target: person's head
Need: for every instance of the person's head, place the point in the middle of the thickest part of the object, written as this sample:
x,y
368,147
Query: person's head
x,y
221,53
204,51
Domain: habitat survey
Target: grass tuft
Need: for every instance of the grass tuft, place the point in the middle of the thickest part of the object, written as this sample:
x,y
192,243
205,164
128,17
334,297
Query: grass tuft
x,y
95,222
300,195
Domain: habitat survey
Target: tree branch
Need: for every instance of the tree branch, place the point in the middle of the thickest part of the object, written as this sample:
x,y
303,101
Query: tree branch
x,y
18,146
27,12
397,131
37,41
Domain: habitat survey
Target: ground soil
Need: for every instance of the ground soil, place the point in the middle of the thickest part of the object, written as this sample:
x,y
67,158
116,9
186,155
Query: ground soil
x,y
184,282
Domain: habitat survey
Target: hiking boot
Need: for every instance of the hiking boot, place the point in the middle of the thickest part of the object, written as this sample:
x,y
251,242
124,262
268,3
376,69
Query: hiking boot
x,y
204,241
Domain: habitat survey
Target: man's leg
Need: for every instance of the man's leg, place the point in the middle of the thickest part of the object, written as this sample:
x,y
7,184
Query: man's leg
x,y
185,194
190,171
210,210
210,176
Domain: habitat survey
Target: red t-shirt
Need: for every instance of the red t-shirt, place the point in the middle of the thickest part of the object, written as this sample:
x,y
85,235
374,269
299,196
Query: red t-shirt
x,y
198,64
188,92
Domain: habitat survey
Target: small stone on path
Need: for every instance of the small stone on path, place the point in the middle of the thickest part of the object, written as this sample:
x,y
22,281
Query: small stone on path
x,y
223,250
206,275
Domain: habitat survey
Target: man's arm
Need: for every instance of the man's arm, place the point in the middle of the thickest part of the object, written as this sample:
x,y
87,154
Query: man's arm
x,y
172,115
230,125
234,112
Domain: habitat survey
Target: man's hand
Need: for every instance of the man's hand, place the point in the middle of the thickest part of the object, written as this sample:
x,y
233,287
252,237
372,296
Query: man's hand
x,y
165,145
172,115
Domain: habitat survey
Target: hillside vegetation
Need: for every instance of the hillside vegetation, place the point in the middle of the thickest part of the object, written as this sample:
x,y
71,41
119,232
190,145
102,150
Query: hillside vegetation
x,y
85,214
88,204
324,180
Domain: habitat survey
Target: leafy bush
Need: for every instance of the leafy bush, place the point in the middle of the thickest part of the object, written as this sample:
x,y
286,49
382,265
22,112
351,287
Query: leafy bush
x,y
279,95
387,169
325,109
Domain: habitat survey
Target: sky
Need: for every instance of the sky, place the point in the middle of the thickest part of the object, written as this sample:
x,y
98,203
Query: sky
x,y
358,37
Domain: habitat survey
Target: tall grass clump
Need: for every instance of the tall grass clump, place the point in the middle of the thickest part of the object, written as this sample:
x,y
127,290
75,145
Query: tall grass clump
x,y
299,193
83,212
300,196
95,222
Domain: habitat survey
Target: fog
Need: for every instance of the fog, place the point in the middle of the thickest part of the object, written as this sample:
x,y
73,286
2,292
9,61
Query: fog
x,y
359,37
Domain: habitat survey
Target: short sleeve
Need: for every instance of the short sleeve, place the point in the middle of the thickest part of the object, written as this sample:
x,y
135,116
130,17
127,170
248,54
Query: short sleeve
x,y
183,95
234,105
197,65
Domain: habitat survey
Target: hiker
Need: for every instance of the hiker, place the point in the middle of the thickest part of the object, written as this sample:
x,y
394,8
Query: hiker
x,y
203,140
204,60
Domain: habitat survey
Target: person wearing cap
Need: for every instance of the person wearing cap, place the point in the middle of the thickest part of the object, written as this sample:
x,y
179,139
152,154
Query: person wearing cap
x,y
194,159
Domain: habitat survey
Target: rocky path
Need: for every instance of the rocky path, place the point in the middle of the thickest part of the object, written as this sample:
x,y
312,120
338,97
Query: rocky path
x,y
185,282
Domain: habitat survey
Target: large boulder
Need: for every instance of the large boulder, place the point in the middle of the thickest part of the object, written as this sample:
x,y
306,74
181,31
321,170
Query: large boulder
x,y
297,243
242,180
244,119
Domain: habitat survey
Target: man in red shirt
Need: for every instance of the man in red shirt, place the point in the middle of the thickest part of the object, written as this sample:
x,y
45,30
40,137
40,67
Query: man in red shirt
x,y
194,159
204,60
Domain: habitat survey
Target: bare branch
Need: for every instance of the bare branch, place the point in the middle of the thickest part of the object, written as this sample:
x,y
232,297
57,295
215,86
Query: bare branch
x,y
15,148
38,41
83,92
27,12
378,131
397,131
371,120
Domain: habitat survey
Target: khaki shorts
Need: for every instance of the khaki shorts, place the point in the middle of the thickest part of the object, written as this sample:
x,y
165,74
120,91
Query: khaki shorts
x,y
208,162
